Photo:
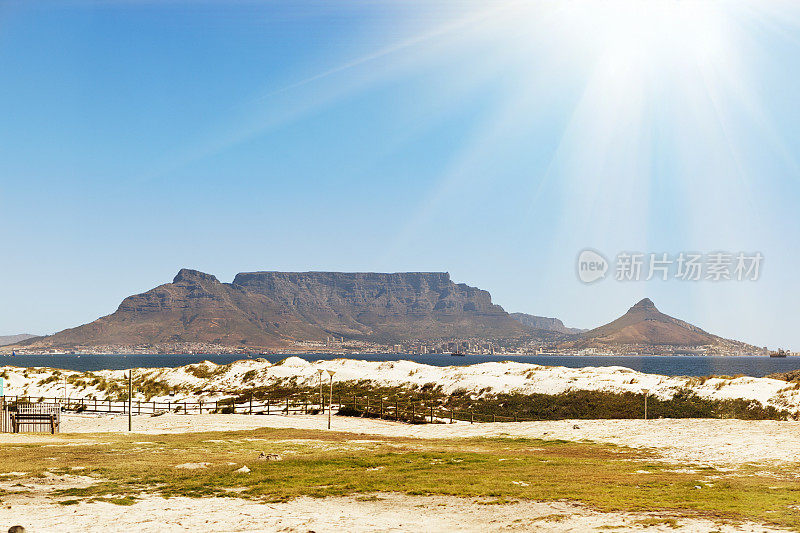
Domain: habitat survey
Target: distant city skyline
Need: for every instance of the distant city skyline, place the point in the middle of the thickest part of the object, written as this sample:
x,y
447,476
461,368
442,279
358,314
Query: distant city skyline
x,y
491,141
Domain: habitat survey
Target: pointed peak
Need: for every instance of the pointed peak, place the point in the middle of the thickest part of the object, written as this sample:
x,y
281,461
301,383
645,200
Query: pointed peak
x,y
187,274
645,303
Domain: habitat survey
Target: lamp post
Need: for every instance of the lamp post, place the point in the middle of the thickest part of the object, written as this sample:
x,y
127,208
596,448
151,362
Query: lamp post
x,y
330,402
321,397
646,392
130,400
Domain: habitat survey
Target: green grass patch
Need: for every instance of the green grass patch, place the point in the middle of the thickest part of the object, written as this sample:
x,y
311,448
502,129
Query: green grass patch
x,y
320,464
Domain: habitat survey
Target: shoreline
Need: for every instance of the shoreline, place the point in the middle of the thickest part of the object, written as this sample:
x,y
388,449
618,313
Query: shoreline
x,y
685,365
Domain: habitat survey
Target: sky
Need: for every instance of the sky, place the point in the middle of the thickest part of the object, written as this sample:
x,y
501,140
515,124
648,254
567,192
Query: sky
x,y
492,140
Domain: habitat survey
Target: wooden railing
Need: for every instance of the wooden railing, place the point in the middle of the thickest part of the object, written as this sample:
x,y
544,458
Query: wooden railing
x,y
398,409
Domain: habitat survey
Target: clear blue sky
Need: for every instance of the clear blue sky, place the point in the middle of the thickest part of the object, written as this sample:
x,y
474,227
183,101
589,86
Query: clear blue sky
x,y
491,140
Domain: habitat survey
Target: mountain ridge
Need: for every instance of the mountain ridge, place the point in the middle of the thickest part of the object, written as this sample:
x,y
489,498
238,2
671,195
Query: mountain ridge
x,y
273,310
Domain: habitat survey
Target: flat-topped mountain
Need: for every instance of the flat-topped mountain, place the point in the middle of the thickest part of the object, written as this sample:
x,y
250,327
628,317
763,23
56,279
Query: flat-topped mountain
x,y
278,309
645,325
545,323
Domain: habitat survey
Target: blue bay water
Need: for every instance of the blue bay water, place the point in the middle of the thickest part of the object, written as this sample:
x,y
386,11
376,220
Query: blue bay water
x,y
666,365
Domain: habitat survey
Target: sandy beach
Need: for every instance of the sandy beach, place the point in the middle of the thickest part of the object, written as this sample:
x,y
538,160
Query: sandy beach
x,y
384,513
722,443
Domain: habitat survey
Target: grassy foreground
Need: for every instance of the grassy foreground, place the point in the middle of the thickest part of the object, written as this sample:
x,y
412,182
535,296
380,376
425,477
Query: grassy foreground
x,y
319,464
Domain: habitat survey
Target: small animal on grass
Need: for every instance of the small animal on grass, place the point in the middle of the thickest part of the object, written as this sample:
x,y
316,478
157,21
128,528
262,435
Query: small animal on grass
x,y
16,529
269,457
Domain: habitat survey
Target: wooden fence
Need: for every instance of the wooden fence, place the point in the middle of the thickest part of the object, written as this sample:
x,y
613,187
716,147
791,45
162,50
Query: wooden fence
x,y
7,408
399,409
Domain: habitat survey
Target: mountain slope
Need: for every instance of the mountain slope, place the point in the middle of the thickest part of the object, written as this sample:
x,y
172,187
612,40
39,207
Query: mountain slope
x,y
278,309
6,340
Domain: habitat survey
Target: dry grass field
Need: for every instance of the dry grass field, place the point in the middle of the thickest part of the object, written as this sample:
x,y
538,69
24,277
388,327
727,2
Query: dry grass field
x,y
271,466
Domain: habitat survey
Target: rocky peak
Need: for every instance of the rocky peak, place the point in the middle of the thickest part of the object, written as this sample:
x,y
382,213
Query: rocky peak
x,y
644,304
193,276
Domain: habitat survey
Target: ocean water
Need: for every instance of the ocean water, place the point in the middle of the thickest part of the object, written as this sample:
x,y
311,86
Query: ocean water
x,y
666,365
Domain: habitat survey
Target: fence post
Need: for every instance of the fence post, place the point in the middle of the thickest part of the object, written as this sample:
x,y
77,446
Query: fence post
x,y
451,416
185,410
472,416
431,414
201,406
494,417
287,406
381,411
396,410
267,405
251,404
366,409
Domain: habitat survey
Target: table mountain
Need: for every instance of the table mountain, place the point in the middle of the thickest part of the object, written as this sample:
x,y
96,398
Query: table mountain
x,y
278,309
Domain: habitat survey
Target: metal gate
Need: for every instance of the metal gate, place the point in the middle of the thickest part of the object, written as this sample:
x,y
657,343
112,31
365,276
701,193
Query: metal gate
x,y
7,408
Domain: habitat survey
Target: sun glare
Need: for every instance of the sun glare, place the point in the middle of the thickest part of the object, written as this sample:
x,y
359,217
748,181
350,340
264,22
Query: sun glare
x,y
664,34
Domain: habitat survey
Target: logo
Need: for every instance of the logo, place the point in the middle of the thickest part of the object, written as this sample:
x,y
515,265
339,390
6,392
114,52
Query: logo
x,y
684,266
591,266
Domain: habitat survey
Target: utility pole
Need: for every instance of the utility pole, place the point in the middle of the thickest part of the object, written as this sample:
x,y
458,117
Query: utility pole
x,y
330,403
130,399
646,391
321,397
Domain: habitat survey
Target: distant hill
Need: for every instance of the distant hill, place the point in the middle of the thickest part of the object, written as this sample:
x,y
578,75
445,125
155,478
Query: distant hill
x,y
545,323
6,340
645,325
279,309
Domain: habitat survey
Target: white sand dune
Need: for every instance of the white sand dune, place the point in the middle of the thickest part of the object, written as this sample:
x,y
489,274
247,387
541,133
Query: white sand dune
x,y
484,378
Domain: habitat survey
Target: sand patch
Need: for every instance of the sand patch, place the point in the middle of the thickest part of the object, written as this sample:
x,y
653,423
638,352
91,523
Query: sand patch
x,y
380,512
